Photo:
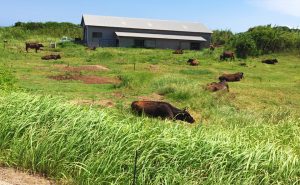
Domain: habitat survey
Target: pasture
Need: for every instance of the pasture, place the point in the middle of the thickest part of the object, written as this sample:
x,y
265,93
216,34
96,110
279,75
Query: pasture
x,y
70,118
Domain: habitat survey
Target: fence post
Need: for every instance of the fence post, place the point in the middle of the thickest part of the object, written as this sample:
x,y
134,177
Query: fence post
x,y
4,43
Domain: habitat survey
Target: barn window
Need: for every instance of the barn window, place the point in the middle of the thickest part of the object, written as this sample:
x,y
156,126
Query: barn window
x,y
139,43
97,35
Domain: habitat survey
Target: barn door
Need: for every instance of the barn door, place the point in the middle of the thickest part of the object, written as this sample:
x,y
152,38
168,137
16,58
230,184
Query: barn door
x,y
195,46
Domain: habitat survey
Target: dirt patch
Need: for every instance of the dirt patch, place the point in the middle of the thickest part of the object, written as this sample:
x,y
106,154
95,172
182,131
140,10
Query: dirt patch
x,y
64,67
119,95
154,68
103,103
86,79
9,176
85,68
152,97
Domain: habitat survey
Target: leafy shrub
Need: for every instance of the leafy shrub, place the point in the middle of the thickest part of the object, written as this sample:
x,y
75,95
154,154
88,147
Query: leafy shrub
x,y
221,37
244,45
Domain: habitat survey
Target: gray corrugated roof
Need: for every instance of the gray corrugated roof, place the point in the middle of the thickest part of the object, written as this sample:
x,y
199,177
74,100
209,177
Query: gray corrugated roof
x,y
159,36
122,22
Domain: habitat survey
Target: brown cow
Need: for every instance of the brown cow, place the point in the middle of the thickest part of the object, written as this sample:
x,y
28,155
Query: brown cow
x,y
35,46
232,77
213,87
51,57
193,62
91,48
270,61
212,47
227,54
161,109
178,51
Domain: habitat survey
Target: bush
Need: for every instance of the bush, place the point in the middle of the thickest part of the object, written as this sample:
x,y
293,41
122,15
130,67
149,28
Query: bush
x,y
221,37
244,45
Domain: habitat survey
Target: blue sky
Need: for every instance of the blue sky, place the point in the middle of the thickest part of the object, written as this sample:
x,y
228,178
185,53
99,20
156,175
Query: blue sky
x,y
237,15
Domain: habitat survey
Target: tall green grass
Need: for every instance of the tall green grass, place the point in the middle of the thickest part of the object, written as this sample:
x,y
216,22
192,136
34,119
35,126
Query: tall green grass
x,y
91,146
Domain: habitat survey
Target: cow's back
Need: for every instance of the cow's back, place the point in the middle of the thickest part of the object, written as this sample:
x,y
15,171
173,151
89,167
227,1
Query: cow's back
x,y
152,108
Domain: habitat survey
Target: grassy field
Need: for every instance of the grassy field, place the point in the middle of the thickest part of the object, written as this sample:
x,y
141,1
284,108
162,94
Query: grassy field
x,y
247,136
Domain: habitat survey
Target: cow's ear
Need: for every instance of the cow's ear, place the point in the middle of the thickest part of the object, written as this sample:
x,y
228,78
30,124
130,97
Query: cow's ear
x,y
185,109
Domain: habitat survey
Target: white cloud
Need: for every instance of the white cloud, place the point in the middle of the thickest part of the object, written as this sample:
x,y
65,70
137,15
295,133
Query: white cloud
x,y
288,7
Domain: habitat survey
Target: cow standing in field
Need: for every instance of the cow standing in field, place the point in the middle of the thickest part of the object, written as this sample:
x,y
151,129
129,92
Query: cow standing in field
x,y
231,77
227,54
35,46
212,47
213,87
161,109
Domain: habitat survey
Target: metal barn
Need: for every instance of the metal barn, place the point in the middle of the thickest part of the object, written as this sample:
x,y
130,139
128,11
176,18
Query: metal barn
x,y
104,31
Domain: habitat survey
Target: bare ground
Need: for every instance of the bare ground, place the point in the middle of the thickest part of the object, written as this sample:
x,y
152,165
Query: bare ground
x,y
10,176
104,103
86,79
64,67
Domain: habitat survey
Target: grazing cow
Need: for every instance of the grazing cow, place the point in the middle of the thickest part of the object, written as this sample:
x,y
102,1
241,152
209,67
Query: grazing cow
x,y
213,87
227,54
161,109
178,51
270,61
212,47
232,77
51,57
193,62
35,46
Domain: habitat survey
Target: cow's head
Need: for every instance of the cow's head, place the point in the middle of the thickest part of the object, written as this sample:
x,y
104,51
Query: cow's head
x,y
190,60
58,57
185,116
241,75
275,61
221,57
40,45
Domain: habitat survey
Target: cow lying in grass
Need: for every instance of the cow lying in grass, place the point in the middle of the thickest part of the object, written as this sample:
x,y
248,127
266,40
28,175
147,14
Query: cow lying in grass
x,y
35,46
178,51
213,87
231,77
51,57
193,62
270,61
161,109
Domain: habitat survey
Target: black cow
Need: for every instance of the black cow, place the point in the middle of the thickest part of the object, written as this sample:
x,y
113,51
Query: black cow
x,y
35,46
161,109
227,54
270,61
51,57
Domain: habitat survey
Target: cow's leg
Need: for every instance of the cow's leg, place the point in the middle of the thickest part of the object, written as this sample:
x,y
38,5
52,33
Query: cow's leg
x,y
36,50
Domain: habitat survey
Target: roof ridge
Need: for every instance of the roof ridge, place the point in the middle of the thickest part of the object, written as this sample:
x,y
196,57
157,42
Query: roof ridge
x,y
142,23
149,19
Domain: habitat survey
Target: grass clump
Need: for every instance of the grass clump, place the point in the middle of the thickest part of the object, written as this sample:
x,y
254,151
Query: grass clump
x,y
7,79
